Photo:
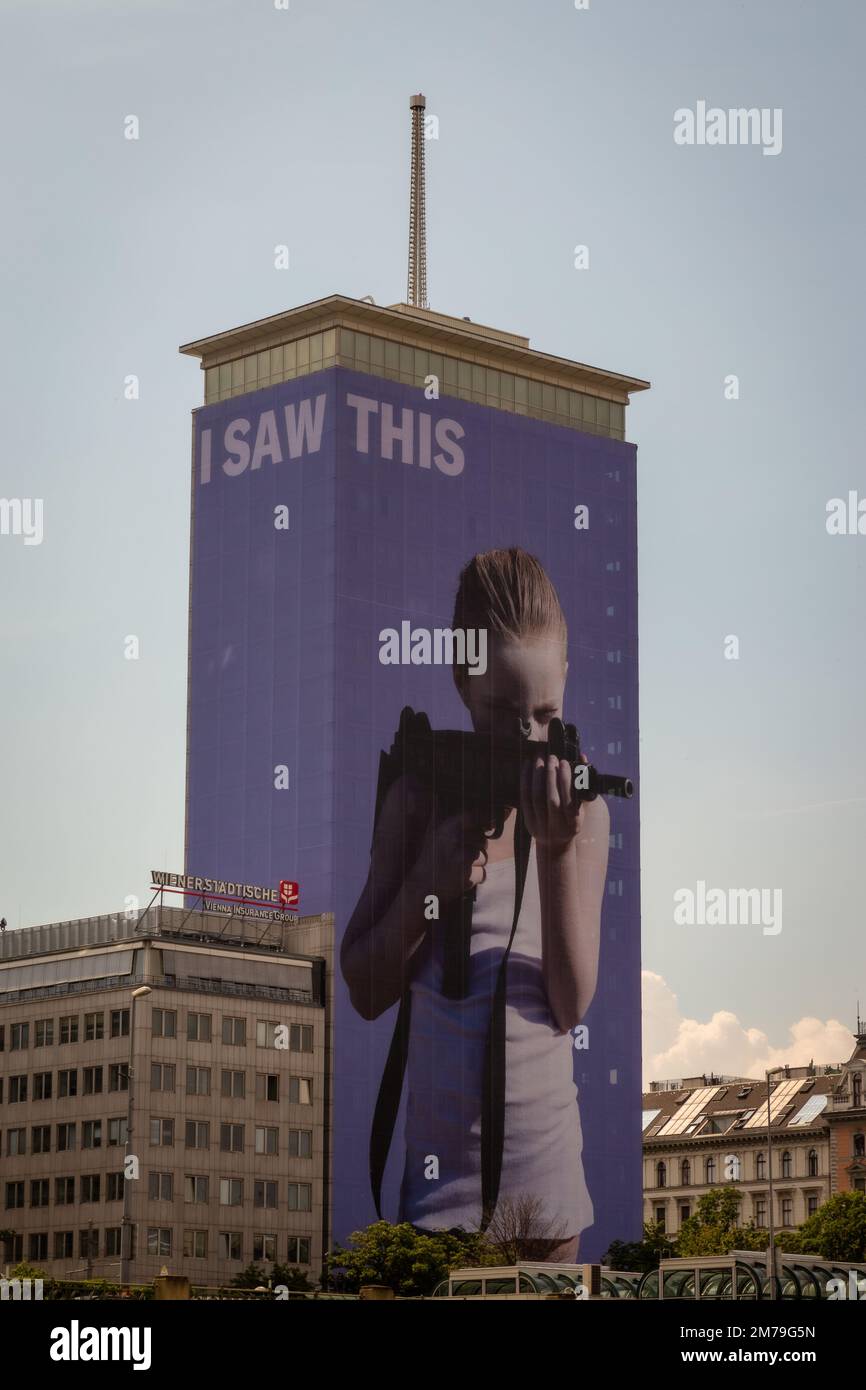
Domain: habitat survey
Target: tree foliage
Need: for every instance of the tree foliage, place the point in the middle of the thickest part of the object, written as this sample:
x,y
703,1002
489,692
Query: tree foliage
x,y
837,1231
714,1228
640,1256
408,1261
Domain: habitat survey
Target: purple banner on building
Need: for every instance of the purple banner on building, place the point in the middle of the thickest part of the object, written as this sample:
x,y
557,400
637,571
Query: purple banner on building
x,y
358,551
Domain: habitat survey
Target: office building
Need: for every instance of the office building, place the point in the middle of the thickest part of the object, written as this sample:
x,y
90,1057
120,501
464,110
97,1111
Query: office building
x,y
217,1153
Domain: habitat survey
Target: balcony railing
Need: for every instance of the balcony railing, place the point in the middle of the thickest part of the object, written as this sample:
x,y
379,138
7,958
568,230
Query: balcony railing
x,y
191,983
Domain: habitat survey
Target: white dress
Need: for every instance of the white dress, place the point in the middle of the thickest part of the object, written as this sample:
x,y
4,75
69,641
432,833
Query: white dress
x,y
543,1141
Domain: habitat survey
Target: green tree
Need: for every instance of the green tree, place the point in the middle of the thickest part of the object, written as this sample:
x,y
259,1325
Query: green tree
x,y
27,1271
639,1256
252,1277
837,1231
714,1228
290,1276
409,1262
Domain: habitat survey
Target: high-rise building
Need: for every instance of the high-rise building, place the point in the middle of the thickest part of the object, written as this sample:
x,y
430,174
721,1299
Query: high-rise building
x,y
350,461
165,1095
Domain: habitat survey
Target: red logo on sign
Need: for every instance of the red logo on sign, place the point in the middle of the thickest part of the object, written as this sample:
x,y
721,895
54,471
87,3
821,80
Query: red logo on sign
x,y
288,893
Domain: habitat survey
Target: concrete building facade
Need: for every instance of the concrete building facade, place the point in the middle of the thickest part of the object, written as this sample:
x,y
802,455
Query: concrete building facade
x,y
165,1093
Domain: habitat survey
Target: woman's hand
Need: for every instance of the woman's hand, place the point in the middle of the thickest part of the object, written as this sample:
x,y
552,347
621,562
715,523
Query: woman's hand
x,y
552,813
451,859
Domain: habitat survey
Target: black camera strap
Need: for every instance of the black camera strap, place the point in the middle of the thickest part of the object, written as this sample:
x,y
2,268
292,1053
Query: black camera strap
x,y
493,1077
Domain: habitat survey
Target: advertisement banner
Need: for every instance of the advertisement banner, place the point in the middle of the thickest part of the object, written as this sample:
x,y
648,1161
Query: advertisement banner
x,y
395,601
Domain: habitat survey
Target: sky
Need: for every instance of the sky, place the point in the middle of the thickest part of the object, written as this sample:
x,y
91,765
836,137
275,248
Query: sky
x,y
260,126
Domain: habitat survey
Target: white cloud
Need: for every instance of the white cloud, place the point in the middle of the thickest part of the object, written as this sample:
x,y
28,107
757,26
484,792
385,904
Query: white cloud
x,y
674,1046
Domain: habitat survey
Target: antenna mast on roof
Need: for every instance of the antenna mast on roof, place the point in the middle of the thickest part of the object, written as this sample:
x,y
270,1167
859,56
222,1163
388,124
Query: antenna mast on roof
x,y
417,287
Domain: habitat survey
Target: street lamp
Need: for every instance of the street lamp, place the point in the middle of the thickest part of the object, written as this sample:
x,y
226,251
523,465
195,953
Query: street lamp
x,y
771,1251
126,1226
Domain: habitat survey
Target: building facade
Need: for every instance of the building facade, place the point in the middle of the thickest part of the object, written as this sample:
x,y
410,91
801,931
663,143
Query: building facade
x,y
846,1118
705,1132
165,1094
350,460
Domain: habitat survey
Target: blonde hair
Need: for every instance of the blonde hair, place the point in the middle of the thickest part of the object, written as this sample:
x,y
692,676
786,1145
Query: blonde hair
x,y
509,593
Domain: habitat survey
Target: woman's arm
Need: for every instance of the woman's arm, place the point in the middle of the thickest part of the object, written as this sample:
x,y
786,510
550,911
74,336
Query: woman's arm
x,y
412,859
571,854
388,924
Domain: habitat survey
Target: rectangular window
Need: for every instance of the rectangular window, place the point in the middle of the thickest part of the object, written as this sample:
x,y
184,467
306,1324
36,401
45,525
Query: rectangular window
x,y
64,1245
91,1134
67,1083
300,1143
90,1187
264,1194
264,1247
160,1187
39,1192
92,1080
266,1139
118,1076
787,1211
114,1187
39,1245
198,1027
40,1139
159,1240
197,1134
65,1137
196,1187
162,1133
164,1023
162,1076
266,1032
42,1085
235,1032
300,1196
760,1213
267,1086
301,1037
299,1250
64,1192
113,1235
16,1142
69,1028
94,1027
17,1089
300,1090
14,1194
230,1245
44,1032
19,1037
117,1132
195,1245
233,1084
231,1192
120,1023
232,1139
198,1081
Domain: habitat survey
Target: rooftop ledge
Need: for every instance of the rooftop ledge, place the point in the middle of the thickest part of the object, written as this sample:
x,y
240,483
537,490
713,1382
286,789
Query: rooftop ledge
x,y
437,332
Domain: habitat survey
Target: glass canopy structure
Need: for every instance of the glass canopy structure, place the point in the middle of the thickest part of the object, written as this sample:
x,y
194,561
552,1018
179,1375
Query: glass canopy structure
x,y
742,1275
